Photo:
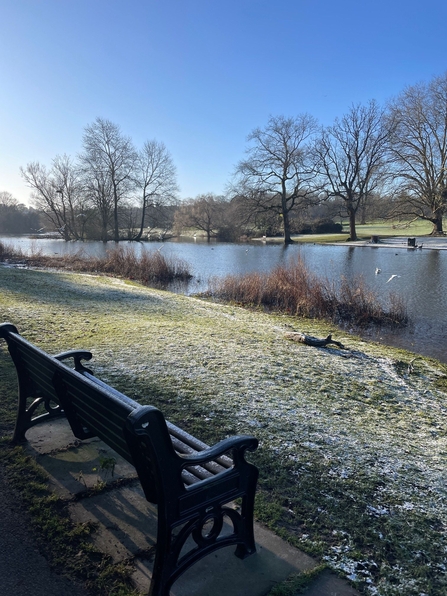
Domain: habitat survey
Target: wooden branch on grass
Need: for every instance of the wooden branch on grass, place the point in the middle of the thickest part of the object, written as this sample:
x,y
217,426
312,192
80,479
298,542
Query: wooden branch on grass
x,y
313,341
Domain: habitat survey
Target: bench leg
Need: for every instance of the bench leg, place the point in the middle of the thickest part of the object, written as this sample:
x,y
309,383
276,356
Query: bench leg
x,y
169,565
25,420
163,564
244,528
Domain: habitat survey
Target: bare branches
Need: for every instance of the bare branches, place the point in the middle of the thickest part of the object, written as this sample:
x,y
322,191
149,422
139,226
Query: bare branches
x,y
204,213
109,186
419,150
108,159
155,179
350,157
58,193
277,173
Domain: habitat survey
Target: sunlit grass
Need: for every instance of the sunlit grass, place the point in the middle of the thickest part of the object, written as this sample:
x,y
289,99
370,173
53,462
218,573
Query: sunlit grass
x,y
395,228
383,229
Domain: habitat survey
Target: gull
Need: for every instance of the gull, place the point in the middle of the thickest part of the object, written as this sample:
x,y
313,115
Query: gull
x,y
392,277
378,271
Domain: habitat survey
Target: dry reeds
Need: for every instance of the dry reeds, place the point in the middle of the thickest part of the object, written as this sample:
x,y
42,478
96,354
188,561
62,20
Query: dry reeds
x,y
293,289
146,267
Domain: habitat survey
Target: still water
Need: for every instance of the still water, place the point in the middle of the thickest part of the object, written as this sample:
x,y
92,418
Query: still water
x,y
421,275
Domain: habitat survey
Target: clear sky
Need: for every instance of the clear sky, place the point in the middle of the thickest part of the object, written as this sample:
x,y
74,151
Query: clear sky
x,y
199,75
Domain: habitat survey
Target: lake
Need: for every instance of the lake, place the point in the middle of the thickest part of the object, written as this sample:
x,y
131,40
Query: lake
x,y
421,275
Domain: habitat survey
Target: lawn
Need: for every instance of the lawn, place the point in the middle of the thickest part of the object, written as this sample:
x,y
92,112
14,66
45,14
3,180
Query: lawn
x,y
353,442
383,229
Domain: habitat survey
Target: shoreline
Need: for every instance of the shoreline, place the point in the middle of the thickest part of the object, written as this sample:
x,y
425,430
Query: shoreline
x,y
421,243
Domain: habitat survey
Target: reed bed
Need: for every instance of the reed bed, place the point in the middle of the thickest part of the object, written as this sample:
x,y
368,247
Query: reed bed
x,y
147,267
295,290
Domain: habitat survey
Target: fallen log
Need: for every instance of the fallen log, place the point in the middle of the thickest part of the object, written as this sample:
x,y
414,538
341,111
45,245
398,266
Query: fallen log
x,y
313,341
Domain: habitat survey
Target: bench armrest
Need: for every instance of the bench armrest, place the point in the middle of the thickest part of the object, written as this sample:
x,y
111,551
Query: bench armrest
x,y
6,329
238,445
77,356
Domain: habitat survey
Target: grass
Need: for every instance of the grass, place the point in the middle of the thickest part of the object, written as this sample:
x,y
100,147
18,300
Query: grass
x,y
297,584
294,290
383,229
395,228
353,442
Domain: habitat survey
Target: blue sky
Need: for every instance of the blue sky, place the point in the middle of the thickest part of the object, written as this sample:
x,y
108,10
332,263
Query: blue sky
x,y
198,75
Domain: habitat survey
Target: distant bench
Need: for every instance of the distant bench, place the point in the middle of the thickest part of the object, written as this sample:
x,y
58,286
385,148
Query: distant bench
x,y
191,483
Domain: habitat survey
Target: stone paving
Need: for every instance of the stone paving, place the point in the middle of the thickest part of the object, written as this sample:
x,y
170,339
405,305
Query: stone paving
x,y
126,524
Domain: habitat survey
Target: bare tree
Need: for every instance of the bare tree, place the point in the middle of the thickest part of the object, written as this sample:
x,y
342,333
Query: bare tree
x,y
108,163
155,180
277,174
58,193
419,149
67,179
7,200
16,218
202,213
350,157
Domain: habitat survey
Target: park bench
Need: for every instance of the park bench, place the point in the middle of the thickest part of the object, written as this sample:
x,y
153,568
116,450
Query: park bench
x,y
192,484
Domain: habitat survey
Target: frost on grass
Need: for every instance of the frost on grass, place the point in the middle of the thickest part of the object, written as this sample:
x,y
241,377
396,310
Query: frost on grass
x,y
353,445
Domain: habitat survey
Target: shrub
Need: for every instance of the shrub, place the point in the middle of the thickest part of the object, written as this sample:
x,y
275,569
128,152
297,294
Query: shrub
x,y
147,267
297,291
321,226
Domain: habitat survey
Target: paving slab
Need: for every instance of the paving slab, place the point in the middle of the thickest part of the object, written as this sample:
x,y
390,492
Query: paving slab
x,y
73,465
127,527
126,524
328,584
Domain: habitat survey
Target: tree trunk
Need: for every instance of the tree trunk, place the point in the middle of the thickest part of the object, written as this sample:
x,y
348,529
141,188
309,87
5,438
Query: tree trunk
x,y
143,217
437,225
115,222
352,230
309,340
286,226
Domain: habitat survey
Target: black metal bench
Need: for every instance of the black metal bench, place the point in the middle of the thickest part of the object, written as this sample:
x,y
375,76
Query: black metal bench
x,y
191,483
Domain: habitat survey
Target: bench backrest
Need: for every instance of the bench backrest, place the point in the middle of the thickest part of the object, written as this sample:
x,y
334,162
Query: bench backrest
x,y
92,409
35,369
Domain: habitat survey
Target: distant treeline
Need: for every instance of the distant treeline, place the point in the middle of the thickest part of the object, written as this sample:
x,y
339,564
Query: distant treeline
x,y
297,175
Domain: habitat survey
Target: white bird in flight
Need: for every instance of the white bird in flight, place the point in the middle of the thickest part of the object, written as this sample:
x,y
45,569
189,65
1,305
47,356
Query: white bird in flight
x,y
392,277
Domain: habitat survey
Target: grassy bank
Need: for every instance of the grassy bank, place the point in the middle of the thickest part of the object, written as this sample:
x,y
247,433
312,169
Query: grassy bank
x,y
353,443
